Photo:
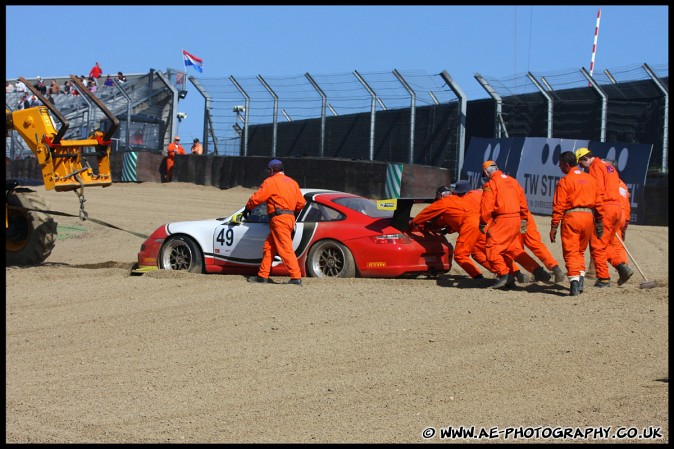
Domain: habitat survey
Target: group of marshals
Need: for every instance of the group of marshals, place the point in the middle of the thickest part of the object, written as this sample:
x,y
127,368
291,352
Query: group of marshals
x,y
494,224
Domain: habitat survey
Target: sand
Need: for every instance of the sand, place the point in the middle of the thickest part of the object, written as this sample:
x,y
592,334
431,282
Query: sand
x,y
94,355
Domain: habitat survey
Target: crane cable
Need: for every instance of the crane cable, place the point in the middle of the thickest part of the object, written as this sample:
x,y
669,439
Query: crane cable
x,y
83,216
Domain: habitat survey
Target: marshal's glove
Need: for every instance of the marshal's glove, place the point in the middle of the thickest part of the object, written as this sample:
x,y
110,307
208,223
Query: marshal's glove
x,y
523,227
245,213
599,228
482,226
553,233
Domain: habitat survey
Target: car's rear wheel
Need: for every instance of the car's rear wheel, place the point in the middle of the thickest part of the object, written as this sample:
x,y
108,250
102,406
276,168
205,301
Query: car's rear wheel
x,y
181,253
329,258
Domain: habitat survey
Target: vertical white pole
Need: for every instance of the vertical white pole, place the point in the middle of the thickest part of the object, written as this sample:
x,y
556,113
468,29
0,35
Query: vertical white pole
x,y
594,46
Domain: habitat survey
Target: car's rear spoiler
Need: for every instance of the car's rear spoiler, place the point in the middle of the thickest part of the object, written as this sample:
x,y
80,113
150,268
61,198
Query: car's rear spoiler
x,y
402,209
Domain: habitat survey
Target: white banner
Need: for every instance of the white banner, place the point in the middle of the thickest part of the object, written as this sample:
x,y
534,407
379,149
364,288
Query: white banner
x,y
538,171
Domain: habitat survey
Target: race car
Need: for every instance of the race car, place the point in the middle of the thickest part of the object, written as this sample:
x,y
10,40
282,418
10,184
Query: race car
x,y
336,234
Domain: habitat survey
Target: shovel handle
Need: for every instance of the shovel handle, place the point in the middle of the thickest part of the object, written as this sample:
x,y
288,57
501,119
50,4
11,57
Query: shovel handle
x,y
631,257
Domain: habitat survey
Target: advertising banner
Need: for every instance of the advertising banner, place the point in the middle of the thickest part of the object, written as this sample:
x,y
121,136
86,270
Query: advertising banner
x,y
497,150
534,162
538,171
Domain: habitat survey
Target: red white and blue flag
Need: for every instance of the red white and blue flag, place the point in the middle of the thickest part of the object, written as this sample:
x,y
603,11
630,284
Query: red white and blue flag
x,y
190,59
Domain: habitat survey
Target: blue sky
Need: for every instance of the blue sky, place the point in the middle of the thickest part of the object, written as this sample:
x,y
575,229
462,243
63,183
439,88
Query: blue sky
x,y
267,40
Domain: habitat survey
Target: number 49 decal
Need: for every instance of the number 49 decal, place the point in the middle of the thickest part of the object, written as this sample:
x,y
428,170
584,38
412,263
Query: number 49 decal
x,y
225,237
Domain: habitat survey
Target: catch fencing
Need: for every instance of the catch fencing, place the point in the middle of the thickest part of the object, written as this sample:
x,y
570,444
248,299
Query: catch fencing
x,y
414,117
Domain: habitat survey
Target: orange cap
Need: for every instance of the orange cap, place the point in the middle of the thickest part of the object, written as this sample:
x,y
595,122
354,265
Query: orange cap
x,y
488,164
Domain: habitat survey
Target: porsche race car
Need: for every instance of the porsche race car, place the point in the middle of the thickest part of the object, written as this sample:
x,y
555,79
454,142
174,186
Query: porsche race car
x,y
336,234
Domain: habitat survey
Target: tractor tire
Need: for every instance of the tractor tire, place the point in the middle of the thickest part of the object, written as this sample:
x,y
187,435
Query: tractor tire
x,y
30,236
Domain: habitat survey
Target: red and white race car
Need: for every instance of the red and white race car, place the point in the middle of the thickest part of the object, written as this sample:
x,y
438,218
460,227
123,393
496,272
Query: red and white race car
x,y
337,234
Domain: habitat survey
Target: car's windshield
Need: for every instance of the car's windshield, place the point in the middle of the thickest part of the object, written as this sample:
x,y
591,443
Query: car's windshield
x,y
365,207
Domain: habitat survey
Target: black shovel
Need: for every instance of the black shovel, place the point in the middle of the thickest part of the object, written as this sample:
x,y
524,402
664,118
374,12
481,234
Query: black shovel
x,y
647,283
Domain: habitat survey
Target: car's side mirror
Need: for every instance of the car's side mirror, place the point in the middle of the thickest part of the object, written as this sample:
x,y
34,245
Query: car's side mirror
x,y
237,219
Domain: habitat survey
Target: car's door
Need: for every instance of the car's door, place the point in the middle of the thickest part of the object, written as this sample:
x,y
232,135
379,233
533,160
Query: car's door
x,y
241,242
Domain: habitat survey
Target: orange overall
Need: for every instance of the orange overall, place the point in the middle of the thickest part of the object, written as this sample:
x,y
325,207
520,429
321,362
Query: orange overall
x,y
284,199
504,204
459,216
532,240
608,184
172,149
616,251
575,204
479,250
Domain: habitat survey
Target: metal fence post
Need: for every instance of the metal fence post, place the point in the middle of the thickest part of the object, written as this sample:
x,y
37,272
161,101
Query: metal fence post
x,y
665,144
413,109
324,102
500,124
373,108
246,112
604,103
461,131
548,98
275,118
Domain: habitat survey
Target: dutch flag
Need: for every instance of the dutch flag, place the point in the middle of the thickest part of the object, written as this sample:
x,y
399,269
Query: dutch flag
x,y
192,60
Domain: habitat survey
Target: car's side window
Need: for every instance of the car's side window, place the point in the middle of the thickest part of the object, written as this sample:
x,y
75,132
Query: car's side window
x,y
330,214
318,212
259,214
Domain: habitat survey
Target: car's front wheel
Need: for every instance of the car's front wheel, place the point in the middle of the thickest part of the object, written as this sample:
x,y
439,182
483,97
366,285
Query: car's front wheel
x,y
181,253
329,258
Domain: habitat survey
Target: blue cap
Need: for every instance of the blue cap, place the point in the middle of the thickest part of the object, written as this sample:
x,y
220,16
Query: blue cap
x,y
274,163
462,186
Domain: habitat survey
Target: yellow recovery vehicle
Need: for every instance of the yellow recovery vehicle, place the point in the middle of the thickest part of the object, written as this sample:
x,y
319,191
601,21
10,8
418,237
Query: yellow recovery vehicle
x,y
31,234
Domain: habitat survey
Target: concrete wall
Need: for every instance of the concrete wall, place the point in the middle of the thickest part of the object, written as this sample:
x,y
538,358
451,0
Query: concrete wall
x,y
360,177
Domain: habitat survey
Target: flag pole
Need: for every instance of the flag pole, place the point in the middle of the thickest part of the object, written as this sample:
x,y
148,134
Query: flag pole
x,y
594,46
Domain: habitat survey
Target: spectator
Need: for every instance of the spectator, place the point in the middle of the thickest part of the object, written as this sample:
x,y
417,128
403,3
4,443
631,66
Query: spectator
x,y
95,72
73,91
67,88
137,138
108,82
33,101
54,89
50,97
197,148
9,87
20,87
91,84
121,78
24,102
40,86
